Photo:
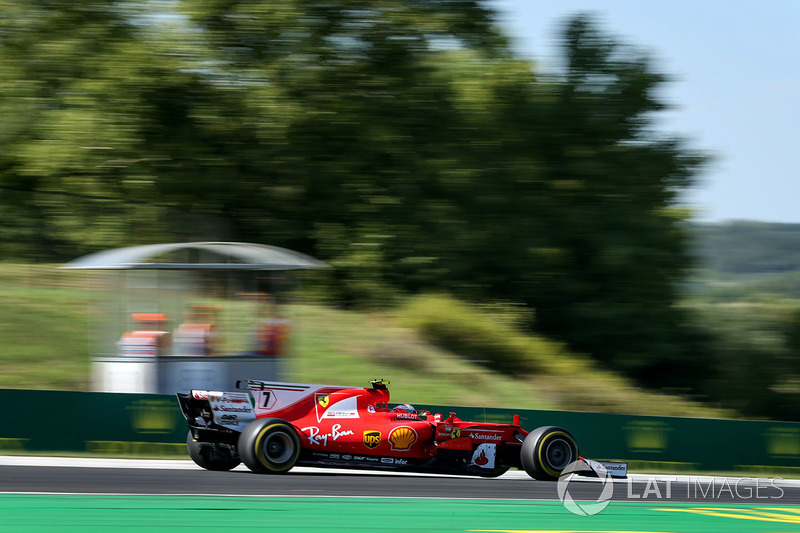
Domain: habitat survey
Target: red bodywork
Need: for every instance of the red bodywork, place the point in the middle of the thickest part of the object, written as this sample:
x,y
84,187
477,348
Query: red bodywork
x,y
356,427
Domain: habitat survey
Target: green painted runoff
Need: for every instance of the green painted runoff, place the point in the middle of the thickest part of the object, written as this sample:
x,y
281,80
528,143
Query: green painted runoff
x,y
86,513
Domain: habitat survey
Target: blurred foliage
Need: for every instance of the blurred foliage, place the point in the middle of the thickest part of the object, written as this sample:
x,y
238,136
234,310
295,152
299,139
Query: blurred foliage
x,y
402,142
745,262
41,306
746,297
755,353
754,287
488,338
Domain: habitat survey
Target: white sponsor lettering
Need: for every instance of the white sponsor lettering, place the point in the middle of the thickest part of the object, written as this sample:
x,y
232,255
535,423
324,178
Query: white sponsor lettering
x,y
486,436
614,469
314,436
346,408
234,397
224,403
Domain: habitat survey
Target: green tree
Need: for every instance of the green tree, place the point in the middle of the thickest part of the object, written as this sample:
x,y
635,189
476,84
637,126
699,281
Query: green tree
x,y
49,52
400,141
366,127
611,212
118,133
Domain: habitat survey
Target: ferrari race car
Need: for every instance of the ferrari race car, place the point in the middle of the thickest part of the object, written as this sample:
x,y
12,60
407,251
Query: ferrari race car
x,y
271,427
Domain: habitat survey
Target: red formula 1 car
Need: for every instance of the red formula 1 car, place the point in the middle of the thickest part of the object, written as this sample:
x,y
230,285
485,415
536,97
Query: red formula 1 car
x,y
272,427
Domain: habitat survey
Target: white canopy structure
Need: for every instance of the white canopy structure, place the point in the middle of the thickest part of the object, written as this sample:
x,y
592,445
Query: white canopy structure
x,y
140,345
197,256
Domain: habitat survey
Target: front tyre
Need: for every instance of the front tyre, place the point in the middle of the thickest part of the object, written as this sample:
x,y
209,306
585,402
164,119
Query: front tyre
x,y
219,457
269,446
546,451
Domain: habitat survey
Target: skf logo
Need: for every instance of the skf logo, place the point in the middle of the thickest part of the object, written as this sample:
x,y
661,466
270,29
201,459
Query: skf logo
x,y
456,433
402,438
324,401
372,439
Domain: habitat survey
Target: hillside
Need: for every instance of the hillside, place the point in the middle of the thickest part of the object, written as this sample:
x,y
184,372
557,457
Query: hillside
x,y
747,247
745,261
43,317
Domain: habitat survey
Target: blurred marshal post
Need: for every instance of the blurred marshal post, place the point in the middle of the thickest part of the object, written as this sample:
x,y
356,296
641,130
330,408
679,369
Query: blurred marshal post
x,y
135,344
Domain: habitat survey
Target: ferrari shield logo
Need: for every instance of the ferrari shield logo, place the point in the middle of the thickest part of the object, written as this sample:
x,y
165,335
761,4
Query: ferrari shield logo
x,y
323,401
456,433
372,439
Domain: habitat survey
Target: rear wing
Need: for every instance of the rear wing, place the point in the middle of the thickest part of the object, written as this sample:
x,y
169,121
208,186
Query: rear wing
x,y
251,384
259,385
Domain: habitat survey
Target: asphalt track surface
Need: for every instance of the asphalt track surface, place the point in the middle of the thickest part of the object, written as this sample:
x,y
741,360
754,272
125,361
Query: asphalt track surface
x,y
86,476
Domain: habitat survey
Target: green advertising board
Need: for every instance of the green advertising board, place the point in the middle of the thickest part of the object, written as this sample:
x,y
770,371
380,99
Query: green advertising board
x,y
152,424
658,442
91,422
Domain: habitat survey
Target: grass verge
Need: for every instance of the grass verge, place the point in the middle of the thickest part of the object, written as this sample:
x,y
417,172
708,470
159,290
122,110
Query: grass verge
x,y
433,349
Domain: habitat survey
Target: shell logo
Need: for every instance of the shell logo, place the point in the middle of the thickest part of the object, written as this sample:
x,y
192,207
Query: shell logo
x,y
402,438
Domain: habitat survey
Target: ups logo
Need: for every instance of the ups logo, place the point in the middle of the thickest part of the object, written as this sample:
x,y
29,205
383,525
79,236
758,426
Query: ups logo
x,y
372,439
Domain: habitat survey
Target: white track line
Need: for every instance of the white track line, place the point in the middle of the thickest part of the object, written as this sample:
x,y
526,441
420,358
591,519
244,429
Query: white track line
x,y
177,464
186,464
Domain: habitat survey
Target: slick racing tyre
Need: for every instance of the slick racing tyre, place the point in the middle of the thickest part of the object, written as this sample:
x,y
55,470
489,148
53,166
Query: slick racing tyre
x,y
212,456
546,451
269,446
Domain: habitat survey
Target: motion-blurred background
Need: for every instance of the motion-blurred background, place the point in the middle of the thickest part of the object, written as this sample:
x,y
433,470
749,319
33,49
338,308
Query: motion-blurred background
x,y
500,233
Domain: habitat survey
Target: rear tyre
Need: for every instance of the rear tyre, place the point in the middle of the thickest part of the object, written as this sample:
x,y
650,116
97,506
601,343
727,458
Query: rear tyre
x,y
219,457
546,451
269,446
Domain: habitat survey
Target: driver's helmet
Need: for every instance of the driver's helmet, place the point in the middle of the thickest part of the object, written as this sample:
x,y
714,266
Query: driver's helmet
x,y
404,408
